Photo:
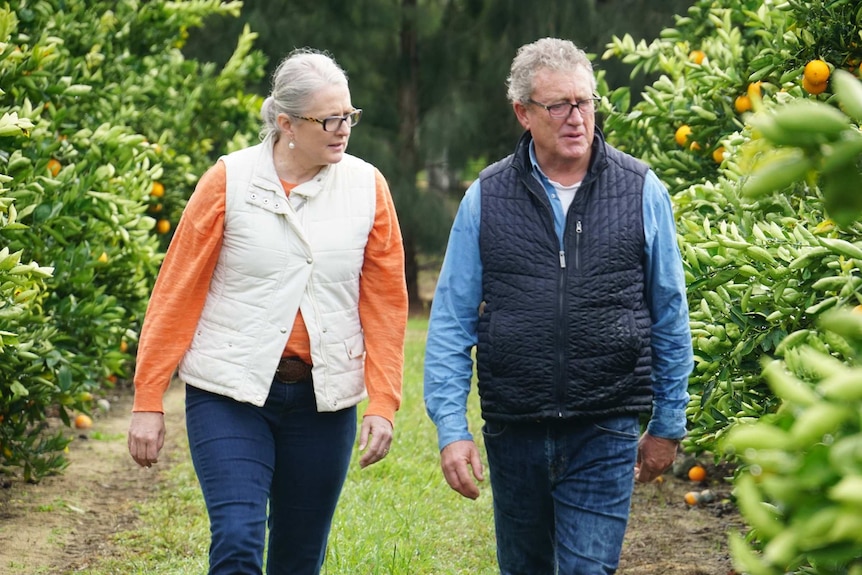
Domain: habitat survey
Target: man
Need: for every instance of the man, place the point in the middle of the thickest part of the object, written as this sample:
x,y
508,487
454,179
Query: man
x,y
563,271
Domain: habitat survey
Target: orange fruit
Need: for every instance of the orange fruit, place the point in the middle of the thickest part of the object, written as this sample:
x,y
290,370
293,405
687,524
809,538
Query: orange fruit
x,y
754,90
718,154
697,473
697,56
103,259
682,135
742,103
158,190
163,226
813,88
83,421
816,72
692,498
124,347
54,166
694,147
113,379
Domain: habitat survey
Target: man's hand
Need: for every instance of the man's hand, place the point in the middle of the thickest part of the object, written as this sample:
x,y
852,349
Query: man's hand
x,y
376,435
146,437
655,456
455,459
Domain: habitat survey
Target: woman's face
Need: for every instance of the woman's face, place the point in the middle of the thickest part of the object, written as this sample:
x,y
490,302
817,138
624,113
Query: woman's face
x,y
314,146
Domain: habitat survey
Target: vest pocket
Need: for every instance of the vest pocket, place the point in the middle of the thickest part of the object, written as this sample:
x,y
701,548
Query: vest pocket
x,y
355,346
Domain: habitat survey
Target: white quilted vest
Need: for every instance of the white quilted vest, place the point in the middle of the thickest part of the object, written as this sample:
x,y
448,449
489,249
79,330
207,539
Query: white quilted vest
x,y
278,256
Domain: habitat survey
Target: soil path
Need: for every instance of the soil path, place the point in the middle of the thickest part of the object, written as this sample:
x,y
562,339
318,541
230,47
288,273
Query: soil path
x,y
64,523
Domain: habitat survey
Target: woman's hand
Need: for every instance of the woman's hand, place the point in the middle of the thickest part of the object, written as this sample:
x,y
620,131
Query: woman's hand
x,y
379,430
146,437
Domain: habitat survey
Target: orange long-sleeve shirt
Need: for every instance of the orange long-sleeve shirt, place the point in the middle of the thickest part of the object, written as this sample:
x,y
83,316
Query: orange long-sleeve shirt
x,y
181,288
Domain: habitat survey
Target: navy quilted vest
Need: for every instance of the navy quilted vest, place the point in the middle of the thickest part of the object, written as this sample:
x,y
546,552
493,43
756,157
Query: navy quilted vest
x,y
563,336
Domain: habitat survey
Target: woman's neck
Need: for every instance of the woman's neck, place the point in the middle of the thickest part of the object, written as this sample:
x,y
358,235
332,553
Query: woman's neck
x,y
289,166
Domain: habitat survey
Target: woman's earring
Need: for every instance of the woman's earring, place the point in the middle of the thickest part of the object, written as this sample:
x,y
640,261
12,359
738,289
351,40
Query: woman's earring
x,y
291,145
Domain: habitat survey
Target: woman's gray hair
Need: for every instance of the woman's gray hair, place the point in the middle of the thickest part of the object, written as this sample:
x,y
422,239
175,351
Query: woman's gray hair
x,y
298,77
546,53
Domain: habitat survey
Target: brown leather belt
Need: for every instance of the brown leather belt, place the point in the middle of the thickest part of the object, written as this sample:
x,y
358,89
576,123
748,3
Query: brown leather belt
x,y
292,370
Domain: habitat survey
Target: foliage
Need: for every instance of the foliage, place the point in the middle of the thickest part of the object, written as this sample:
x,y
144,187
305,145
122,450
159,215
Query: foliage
x,y
773,259
760,266
105,128
800,488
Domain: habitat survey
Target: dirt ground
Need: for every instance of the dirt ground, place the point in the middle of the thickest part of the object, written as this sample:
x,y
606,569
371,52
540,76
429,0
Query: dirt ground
x,y
64,523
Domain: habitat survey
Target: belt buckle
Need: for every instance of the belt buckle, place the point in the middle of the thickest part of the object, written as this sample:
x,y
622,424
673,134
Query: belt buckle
x,y
292,370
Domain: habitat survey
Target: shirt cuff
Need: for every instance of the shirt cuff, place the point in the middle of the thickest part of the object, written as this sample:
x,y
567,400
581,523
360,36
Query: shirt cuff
x,y
667,423
452,428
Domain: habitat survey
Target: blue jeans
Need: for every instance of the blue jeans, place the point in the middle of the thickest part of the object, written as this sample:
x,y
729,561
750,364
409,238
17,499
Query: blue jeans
x,y
285,455
562,493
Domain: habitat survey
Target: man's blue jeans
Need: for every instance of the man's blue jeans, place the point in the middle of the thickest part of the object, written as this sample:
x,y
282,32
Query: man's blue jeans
x,y
562,494
285,455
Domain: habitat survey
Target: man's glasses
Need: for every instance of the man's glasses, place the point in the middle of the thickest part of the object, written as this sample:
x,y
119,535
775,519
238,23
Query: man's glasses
x,y
563,110
332,123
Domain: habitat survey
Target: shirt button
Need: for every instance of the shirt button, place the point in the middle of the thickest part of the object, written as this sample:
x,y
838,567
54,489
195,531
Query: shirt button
x,y
283,330
309,260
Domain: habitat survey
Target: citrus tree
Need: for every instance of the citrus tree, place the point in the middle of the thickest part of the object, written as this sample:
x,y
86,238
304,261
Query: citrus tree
x,y
799,485
770,237
105,129
761,266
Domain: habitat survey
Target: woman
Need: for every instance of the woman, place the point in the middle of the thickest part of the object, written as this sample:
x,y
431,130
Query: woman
x,y
282,299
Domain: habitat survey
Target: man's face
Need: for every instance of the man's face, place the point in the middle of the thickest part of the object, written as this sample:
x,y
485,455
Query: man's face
x,y
562,144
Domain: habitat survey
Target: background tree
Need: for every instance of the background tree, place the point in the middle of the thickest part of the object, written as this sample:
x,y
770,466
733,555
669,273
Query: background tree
x,y
104,128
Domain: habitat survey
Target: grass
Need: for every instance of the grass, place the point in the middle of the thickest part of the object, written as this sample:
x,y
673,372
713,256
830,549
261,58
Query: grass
x,y
397,517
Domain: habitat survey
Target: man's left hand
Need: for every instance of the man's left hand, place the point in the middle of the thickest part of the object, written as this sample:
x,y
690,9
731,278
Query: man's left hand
x,y
655,456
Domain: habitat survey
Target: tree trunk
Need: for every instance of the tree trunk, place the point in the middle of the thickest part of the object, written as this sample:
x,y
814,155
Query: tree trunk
x,y
408,112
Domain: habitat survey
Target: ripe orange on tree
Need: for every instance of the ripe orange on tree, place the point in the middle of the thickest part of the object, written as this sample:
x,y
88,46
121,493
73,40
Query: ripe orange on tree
x,y
718,154
742,104
158,190
163,226
816,71
697,473
83,421
697,56
813,88
54,166
815,76
682,135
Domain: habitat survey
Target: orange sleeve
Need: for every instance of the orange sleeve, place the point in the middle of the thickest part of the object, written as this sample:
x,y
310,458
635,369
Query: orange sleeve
x,y
180,290
383,308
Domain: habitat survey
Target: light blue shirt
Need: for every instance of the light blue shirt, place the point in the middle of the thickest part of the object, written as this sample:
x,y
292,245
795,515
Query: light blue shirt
x,y
452,328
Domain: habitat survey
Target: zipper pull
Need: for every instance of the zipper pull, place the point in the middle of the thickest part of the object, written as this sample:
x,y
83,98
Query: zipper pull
x,y
562,259
578,227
